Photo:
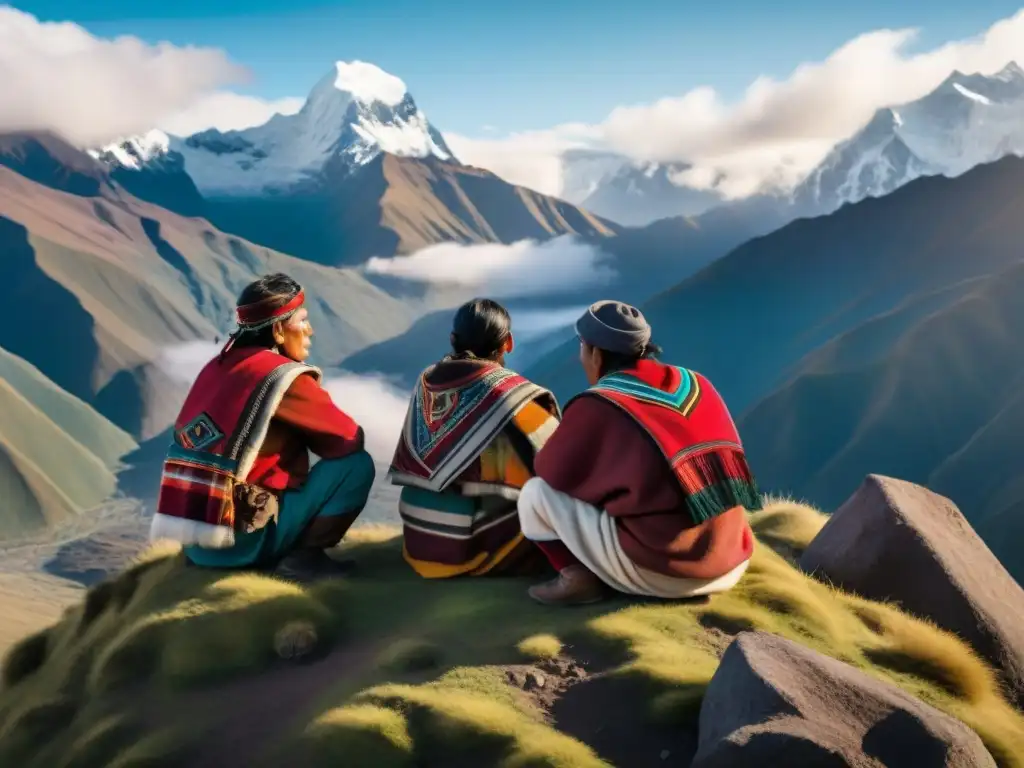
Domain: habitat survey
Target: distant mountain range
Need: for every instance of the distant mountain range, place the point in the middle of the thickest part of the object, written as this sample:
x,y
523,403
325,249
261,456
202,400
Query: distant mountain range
x,y
359,171
965,121
631,193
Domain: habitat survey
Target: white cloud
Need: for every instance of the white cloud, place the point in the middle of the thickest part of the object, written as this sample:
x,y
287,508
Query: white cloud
x,y
538,331
228,111
183,362
529,159
532,324
778,130
59,77
524,268
376,405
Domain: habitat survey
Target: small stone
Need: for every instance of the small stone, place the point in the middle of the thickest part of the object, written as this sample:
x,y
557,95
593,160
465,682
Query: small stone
x,y
577,672
514,678
534,680
664,754
295,640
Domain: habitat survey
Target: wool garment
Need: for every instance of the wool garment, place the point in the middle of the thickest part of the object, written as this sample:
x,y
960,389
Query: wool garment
x,y
467,447
549,517
602,456
307,418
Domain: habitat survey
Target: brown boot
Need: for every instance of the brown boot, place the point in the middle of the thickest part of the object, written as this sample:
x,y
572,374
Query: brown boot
x,y
575,585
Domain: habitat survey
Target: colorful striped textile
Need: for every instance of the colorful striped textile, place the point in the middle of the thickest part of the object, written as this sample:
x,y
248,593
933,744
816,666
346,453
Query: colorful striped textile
x,y
457,408
218,435
690,424
467,449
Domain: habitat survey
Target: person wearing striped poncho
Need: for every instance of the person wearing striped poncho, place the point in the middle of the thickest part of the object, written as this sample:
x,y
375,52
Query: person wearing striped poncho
x,y
467,447
644,487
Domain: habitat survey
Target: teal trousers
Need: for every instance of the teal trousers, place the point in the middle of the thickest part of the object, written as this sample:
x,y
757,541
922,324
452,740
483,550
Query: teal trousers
x,y
334,487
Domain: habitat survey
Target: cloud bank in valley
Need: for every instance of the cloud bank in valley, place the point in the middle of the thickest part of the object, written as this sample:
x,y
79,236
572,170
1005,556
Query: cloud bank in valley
x,y
91,90
376,404
776,132
183,362
524,268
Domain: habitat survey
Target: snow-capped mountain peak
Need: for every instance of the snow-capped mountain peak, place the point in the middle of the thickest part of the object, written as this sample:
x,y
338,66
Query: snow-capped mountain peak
x,y
1010,73
369,83
353,114
358,110
134,152
966,120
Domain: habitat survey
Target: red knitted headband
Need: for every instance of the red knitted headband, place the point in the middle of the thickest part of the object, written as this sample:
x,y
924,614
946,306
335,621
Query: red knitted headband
x,y
252,317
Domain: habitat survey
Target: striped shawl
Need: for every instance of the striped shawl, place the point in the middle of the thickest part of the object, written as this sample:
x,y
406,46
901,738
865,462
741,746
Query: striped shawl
x,y
217,437
467,448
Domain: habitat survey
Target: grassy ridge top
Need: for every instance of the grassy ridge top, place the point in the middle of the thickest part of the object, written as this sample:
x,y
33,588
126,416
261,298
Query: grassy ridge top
x,y
400,671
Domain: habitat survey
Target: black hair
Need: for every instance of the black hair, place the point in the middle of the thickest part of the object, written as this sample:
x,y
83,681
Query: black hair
x,y
480,329
278,289
618,361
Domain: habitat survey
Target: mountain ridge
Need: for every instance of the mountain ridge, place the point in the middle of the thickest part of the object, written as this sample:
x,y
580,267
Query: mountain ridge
x,y
358,172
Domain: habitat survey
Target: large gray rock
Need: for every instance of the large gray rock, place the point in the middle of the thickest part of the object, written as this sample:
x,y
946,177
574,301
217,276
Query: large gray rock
x,y
773,702
893,540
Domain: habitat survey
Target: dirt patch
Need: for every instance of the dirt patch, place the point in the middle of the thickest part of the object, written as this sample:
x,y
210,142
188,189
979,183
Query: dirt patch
x,y
544,683
582,698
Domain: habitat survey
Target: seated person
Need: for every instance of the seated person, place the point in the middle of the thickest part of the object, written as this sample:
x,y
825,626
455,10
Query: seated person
x,y
467,447
237,489
644,487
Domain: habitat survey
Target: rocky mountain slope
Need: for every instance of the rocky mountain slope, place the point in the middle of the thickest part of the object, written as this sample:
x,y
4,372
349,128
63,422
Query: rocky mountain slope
x,y
359,171
929,391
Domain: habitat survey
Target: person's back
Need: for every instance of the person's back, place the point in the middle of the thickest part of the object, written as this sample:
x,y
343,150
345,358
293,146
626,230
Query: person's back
x,y
237,490
659,504
471,433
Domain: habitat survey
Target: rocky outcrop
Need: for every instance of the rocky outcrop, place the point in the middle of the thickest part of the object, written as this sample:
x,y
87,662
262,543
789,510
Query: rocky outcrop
x,y
773,702
894,540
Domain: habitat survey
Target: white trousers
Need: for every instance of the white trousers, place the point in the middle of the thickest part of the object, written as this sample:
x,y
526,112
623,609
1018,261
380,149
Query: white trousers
x,y
590,534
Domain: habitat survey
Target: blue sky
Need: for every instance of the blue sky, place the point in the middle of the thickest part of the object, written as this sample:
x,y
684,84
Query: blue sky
x,y
525,65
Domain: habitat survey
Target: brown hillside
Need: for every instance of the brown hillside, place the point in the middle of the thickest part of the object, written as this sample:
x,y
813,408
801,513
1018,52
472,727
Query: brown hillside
x,y
398,205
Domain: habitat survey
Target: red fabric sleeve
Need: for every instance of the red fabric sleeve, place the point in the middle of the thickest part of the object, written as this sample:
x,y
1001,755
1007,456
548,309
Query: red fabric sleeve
x,y
600,456
328,431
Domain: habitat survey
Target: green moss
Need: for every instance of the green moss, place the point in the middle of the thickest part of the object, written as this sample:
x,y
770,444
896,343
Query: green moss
x,y
359,736
539,647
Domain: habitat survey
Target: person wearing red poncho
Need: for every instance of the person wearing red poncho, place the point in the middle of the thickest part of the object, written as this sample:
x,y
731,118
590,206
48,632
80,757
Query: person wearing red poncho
x,y
644,487
237,489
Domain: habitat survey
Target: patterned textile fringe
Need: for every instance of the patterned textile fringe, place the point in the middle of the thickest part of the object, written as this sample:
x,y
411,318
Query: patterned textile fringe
x,y
717,481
